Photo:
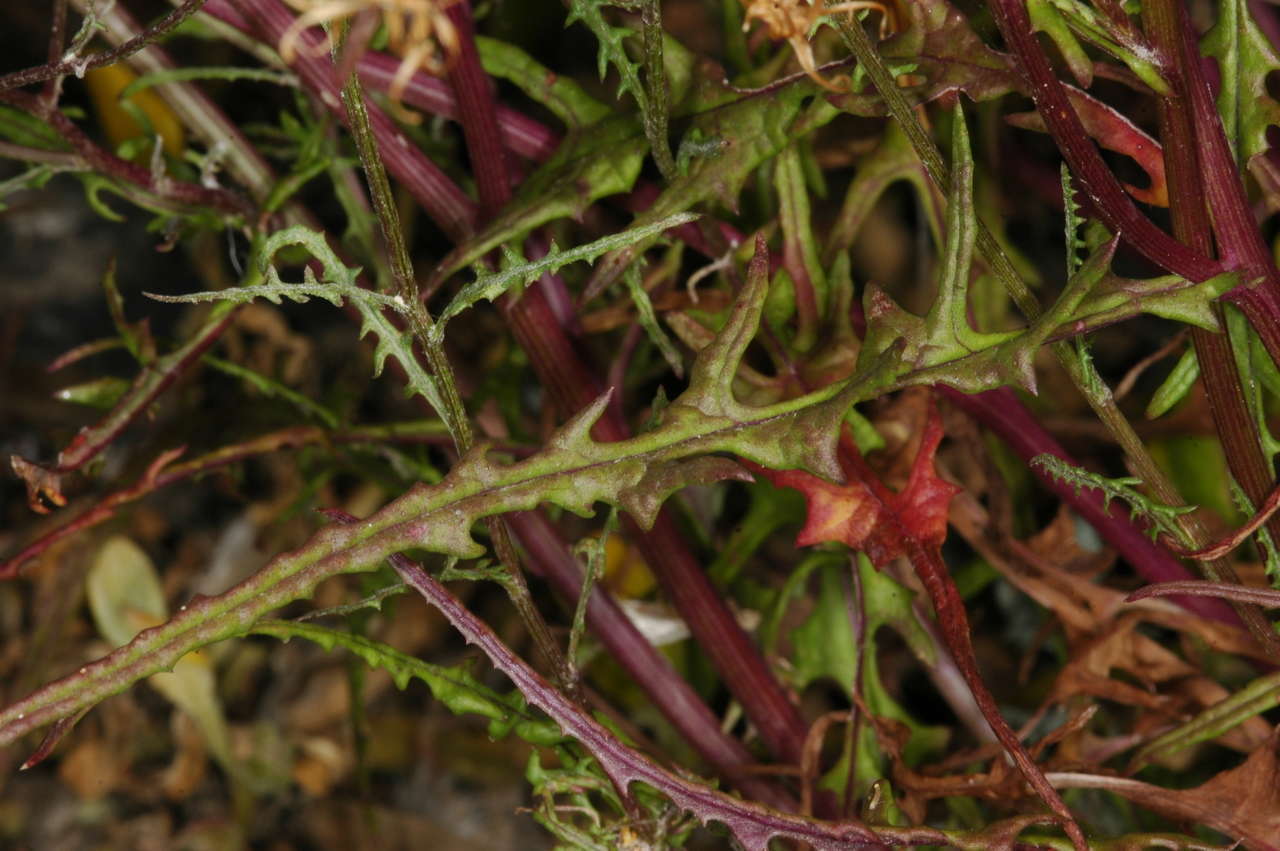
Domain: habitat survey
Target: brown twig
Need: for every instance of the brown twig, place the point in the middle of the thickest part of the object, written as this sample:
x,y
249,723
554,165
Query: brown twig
x,y
79,65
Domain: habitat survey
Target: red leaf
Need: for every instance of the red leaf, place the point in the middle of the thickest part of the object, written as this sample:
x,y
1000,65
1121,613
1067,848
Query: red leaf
x,y
865,515
1113,131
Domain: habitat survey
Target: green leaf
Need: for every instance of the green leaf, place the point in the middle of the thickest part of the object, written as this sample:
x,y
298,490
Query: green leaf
x,y
563,97
339,285
947,329
1119,38
1168,297
100,393
573,471
826,647
1257,375
611,50
599,160
270,387
1046,18
1176,386
800,250
892,160
517,272
649,321
1161,518
455,687
1245,58
750,130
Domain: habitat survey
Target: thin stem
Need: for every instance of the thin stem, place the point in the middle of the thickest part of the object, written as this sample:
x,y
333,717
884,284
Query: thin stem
x,y
446,204
454,414
197,112
869,60
57,41
671,694
1113,204
1002,413
658,92
1189,182
78,65
521,135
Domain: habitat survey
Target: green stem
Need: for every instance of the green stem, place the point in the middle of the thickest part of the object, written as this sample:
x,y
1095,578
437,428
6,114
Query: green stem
x,y
655,81
454,413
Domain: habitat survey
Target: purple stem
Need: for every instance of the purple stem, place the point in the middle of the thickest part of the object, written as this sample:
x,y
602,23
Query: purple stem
x,y
752,825
471,85
1113,204
447,205
109,57
1000,411
650,670
520,134
154,378
1265,597
162,186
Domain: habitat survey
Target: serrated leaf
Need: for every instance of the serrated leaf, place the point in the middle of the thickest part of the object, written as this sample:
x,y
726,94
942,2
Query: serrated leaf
x,y
455,687
1168,297
516,272
611,50
339,285
1245,58
948,334
573,471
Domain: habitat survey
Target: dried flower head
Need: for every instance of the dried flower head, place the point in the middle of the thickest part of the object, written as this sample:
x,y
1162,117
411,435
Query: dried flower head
x,y
418,31
794,20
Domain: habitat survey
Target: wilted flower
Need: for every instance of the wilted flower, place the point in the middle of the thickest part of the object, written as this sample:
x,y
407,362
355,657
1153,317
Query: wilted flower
x,y
418,31
794,20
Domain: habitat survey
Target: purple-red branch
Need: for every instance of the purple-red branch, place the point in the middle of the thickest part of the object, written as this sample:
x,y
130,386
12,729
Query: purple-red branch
x,y
1265,597
81,64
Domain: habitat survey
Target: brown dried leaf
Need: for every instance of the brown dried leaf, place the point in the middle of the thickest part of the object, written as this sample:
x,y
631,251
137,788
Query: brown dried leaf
x,y
1243,802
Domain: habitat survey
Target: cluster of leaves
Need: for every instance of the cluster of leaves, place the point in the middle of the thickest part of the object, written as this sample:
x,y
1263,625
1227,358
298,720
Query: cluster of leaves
x,y
909,404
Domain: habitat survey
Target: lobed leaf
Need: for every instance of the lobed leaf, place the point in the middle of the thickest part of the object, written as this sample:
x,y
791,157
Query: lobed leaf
x,y
573,471
1245,57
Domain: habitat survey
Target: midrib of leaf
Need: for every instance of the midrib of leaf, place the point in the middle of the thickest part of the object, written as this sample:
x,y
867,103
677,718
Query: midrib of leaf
x,y
574,471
